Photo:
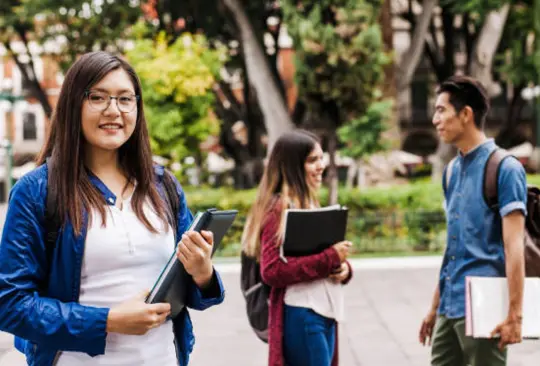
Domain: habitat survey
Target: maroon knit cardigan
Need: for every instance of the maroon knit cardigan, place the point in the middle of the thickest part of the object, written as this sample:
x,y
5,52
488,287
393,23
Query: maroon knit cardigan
x,y
278,274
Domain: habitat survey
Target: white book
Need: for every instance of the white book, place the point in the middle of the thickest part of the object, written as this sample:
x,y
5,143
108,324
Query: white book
x,y
487,304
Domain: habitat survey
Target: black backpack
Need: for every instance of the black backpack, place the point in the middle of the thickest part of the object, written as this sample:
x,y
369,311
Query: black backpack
x,y
532,220
256,293
53,221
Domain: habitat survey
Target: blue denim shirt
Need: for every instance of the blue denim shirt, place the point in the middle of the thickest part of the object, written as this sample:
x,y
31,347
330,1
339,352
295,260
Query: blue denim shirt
x,y
475,242
48,321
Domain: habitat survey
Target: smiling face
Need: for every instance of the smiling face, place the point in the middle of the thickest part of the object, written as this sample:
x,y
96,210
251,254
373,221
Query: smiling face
x,y
314,168
108,129
449,123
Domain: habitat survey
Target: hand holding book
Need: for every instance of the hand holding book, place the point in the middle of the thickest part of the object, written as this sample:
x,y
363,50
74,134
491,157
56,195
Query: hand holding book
x,y
341,274
509,331
487,315
192,259
342,248
195,252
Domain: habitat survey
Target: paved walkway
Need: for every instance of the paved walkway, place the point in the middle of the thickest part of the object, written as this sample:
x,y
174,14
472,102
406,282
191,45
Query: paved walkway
x,y
385,304
384,309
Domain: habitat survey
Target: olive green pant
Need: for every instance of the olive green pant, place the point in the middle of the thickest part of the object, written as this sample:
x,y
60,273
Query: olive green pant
x,y
450,346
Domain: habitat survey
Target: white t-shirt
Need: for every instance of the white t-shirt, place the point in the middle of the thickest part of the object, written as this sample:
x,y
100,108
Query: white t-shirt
x,y
323,296
120,261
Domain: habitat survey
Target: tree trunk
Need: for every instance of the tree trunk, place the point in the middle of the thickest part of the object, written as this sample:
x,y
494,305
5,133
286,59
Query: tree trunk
x,y
39,94
392,135
276,117
413,56
332,169
485,48
351,174
36,90
537,35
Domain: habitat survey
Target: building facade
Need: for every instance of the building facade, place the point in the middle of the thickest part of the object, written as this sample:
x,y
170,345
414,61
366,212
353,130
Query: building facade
x,y
23,121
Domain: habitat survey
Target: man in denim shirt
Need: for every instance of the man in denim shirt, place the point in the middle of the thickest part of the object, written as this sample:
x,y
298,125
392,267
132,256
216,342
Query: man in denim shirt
x,y
481,241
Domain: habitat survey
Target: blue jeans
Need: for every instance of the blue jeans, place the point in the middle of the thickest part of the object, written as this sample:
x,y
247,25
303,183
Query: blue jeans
x,y
308,338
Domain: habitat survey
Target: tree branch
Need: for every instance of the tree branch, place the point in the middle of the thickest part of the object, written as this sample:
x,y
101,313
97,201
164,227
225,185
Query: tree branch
x,y
469,40
449,43
435,64
485,47
435,40
36,89
276,116
412,57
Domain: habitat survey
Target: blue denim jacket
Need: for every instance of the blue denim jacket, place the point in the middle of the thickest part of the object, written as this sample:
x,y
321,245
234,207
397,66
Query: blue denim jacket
x,y
475,243
45,325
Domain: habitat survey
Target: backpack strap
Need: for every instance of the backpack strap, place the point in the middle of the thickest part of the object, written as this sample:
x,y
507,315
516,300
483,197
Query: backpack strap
x,y
52,217
172,199
447,175
491,174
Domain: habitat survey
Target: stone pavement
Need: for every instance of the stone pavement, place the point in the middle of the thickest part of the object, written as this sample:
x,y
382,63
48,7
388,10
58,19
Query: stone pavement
x,y
385,305
386,302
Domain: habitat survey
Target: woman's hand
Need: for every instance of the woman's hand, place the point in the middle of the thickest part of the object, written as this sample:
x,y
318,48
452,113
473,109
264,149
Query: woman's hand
x,y
342,249
341,274
195,253
136,317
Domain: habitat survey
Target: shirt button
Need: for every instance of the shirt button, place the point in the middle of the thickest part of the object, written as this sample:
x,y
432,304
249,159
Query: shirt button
x,y
448,278
454,237
453,257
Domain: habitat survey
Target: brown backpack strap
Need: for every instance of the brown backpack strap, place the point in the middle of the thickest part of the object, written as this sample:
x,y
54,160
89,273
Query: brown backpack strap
x,y
491,174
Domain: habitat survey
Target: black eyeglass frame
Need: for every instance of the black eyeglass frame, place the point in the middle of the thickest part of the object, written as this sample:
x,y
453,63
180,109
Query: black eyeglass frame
x,y
87,93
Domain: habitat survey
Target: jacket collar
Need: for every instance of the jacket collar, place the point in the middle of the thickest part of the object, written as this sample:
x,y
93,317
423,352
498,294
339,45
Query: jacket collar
x,y
110,197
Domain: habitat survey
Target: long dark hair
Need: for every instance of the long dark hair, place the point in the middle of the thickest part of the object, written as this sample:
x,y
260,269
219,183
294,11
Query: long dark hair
x,y
284,176
65,144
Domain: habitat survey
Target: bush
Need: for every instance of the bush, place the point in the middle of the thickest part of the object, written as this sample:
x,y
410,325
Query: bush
x,y
380,219
402,218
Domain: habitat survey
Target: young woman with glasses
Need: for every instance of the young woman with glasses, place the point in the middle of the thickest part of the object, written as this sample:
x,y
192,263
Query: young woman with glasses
x,y
85,304
306,299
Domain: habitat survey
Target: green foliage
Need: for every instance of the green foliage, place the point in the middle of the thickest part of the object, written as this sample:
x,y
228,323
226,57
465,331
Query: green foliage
x,y
517,63
177,82
402,218
399,218
82,26
363,133
340,57
477,8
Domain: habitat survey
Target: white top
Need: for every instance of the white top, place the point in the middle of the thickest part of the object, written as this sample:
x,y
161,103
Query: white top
x,y
324,296
120,261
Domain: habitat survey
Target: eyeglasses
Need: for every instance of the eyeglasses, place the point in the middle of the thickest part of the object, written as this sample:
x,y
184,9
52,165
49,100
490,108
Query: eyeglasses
x,y
100,101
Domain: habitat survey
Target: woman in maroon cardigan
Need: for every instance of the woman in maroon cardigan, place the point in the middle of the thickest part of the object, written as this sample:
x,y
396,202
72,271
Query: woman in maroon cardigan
x,y
306,300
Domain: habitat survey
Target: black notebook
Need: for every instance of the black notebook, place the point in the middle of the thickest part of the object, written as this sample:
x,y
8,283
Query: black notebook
x,y
310,231
171,286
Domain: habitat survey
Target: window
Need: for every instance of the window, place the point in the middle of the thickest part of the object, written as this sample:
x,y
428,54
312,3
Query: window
x,y
29,127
